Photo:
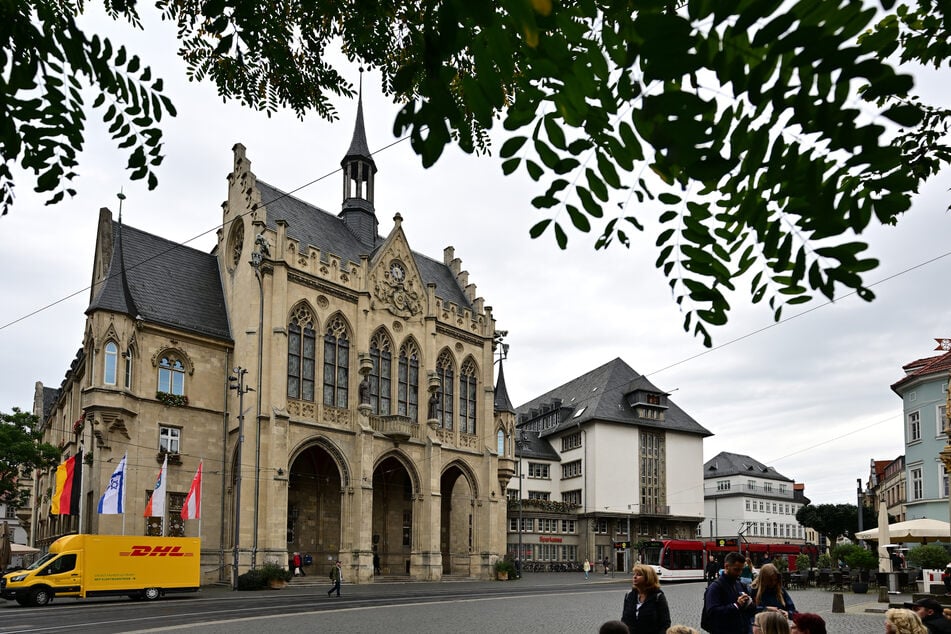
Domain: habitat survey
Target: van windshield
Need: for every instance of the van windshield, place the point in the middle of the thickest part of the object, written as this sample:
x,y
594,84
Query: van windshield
x,y
39,563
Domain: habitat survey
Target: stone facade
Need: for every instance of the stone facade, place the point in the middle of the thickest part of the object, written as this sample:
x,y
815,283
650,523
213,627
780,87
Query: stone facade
x,y
365,376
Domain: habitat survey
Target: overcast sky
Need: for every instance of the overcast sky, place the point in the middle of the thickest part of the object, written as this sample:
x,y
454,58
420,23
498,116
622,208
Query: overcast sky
x,y
810,396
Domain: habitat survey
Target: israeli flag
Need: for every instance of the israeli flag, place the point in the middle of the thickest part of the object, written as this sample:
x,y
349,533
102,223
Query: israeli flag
x,y
111,501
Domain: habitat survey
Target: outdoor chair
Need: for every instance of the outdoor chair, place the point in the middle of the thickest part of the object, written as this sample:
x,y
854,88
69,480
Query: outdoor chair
x,y
822,581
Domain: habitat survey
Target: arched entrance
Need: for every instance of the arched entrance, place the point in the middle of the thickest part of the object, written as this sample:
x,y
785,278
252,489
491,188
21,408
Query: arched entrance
x,y
392,516
456,529
313,508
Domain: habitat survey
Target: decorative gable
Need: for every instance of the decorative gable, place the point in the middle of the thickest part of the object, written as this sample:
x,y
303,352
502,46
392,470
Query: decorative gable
x,y
395,281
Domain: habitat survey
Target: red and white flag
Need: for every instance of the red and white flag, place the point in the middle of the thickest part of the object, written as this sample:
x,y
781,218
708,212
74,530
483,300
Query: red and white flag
x,y
191,510
156,504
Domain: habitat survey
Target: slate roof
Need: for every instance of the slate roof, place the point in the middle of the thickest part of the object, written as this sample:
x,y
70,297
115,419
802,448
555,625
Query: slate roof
x,y
314,227
164,283
922,368
359,148
532,445
601,395
502,402
728,464
50,396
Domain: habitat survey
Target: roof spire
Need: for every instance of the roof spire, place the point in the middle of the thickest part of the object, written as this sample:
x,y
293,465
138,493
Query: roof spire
x,y
358,144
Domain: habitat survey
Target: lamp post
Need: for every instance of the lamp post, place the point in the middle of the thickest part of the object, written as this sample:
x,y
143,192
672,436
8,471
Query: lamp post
x,y
236,382
859,507
261,250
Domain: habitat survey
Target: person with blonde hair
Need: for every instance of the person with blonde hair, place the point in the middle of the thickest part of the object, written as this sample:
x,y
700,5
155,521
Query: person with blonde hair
x,y
681,629
902,621
768,593
645,609
772,622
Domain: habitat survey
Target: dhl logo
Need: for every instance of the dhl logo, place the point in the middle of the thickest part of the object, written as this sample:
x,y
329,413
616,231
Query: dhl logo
x,y
156,551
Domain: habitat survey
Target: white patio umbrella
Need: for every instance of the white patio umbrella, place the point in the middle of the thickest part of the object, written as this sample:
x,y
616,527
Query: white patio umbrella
x,y
918,530
884,558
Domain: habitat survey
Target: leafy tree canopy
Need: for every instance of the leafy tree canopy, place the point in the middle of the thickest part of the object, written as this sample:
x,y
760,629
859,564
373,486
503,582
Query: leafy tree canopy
x,y
761,137
21,453
835,520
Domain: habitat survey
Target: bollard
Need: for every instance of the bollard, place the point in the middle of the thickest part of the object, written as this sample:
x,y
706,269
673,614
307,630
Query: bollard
x,y
838,603
883,594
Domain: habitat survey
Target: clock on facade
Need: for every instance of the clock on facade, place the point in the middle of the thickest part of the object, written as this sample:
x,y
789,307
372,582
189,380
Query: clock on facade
x,y
397,272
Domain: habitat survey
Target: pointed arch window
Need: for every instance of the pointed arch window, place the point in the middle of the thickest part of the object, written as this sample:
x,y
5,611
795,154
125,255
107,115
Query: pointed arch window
x,y
171,376
128,368
381,374
467,397
336,363
500,439
407,391
301,355
111,361
446,379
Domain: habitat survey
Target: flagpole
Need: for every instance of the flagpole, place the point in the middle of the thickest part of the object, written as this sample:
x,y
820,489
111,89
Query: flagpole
x,y
125,485
82,492
201,483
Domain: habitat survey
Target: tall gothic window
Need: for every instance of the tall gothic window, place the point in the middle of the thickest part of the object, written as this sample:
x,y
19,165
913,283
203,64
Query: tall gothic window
x,y
336,363
171,376
445,374
301,354
381,374
467,397
128,368
407,392
111,361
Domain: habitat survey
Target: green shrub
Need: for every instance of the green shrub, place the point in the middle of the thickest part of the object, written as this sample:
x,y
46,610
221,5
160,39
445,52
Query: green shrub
x,y
861,559
929,556
251,580
824,561
803,562
781,563
506,565
272,571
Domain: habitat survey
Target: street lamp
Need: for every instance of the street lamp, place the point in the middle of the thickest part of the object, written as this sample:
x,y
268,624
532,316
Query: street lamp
x,y
236,382
261,251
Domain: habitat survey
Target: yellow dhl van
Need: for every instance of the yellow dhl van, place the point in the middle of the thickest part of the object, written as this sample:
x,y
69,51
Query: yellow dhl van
x,y
97,565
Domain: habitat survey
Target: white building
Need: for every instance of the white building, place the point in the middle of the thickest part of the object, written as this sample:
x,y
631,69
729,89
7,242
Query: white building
x,y
744,497
606,460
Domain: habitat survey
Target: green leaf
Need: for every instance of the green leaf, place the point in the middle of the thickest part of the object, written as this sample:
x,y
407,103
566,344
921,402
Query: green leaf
x,y
511,146
539,228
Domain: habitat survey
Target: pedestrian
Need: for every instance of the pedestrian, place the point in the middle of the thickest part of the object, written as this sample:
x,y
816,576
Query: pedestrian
x,y
681,629
726,605
946,578
587,568
336,575
607,563
746,576
645,609
613,627
770,623
769,595
807,623
903,621
931,614
711,570
376,563
296,560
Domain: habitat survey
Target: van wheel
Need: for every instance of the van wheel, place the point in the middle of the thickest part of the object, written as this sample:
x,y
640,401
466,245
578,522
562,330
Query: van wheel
x,y
151,594
40,596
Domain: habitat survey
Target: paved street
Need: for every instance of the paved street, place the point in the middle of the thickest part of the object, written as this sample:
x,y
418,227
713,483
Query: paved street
x,y
549,603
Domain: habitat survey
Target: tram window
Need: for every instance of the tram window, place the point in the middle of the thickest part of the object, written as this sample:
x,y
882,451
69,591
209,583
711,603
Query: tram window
x,y
685,560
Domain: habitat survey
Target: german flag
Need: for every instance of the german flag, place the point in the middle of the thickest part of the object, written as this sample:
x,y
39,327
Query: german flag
x,y
69,477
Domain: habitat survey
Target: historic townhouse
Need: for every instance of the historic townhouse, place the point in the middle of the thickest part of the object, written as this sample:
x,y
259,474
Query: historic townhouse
x,y
337,386
606,460
743,497
924,394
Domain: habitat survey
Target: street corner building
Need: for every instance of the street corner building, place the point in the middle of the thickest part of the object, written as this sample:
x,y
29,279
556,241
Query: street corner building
x,y
336,385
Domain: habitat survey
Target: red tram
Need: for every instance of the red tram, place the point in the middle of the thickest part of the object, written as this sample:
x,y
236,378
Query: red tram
x,y
684,559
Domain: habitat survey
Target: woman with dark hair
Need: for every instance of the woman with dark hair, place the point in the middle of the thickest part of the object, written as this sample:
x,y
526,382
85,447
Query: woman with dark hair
x,y
807,623
645,609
